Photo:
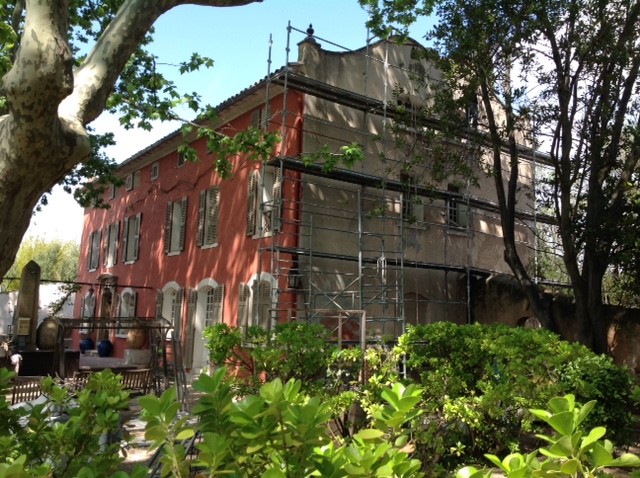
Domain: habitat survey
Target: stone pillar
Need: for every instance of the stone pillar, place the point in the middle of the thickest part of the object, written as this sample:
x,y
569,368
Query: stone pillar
x,y
25,318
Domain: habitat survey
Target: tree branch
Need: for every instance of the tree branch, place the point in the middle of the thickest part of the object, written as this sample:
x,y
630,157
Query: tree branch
x,y
97,75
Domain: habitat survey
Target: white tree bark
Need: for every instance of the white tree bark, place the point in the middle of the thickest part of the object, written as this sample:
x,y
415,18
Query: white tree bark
x,y
43,136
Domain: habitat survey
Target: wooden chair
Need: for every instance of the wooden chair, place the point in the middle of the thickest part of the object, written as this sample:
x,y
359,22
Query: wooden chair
x,y
25,389
79,380
137,380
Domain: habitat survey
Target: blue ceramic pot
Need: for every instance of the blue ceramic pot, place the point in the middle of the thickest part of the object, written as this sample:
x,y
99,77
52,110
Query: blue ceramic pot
x,y
86,344
105,348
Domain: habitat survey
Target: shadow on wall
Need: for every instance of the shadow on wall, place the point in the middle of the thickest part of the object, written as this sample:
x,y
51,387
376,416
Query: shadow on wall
x,y
499,300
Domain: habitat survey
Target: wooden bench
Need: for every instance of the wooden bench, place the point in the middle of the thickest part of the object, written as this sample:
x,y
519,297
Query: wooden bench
x,y
136,381
25,389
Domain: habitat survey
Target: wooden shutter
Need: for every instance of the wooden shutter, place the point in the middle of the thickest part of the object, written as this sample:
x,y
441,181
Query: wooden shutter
x,y
218,298
132,305
183,223
125,239
243,308
94,255
167,228
252,193
105,245
262,304
136,237
277,199
177,311
116,237
213,206
201,212
190,328
159,303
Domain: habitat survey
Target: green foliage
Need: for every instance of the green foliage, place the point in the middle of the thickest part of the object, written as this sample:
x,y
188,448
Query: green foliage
x,y
280,432
66,435
479,380
58,260
570,452
348,156
296,350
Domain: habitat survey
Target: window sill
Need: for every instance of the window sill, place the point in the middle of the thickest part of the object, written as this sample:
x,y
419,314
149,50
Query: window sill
x,y
209,246
458,231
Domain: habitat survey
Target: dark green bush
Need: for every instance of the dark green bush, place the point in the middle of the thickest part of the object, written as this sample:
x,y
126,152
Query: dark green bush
x,y
480,380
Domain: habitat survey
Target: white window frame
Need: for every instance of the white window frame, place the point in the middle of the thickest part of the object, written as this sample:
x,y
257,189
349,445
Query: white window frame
x,y
155,171
128,182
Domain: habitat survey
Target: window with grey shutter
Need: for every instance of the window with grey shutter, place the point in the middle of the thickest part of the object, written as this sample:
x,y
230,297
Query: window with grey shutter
x,y
208,218
94,252
183,223
111,244
262,304
167,228
175,226
131,238
136,237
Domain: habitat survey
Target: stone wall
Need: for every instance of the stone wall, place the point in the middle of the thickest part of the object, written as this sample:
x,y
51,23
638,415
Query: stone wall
x,y
499,300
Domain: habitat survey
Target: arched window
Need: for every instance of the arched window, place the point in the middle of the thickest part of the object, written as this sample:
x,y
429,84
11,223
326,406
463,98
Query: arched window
x,y
169,305
127,309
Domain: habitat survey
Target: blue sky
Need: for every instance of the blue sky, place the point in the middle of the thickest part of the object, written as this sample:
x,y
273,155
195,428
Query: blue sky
x,y
237,39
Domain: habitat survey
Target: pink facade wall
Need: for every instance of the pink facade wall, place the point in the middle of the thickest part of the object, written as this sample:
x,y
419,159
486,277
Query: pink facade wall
x,y
233,260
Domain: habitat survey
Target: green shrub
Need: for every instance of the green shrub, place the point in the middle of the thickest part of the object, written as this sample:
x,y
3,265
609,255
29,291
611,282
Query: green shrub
x,y
280,432
479,382
570,450
66,435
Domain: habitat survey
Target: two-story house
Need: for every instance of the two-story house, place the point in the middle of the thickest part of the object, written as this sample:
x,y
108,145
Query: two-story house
x,y
365,250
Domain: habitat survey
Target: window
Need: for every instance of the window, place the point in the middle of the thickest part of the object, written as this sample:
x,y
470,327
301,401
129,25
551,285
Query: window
x,y
111,191
131,238
213,297
457,211
136,179
88,310
111,234
175,226
155,171
261,304
127,309
94,251
169,306
208,218
182,158
259,118
128,182
412,203
263,202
